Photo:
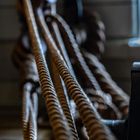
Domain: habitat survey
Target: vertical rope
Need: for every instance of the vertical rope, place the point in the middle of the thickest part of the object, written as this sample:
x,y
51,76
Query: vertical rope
x,y
33,117
119,98
26,110
56,116
84,69
88,113
61,46
74,49
58,82
29,79
63,98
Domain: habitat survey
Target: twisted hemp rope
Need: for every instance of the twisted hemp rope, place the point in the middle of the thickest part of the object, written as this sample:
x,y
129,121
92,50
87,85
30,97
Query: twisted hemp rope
x,y
119,97
88,113
29,81
60,115
58,82
56,116
84,69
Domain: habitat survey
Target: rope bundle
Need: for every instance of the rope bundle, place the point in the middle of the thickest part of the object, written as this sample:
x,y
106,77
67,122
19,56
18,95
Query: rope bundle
x,y
119,98
85,71
58,81
88,113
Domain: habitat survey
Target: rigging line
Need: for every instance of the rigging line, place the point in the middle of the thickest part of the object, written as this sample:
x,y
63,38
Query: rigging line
x,y
88,113
56,116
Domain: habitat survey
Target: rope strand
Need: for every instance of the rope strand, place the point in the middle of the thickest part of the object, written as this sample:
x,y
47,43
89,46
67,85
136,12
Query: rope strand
x,y
88,113
56,116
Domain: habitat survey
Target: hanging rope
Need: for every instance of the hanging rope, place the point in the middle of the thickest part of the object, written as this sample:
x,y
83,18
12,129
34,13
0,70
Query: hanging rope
x,y
61,45
29,84
58,82
63,87
85,71
29,119
88,113
63,98
119,98
56,116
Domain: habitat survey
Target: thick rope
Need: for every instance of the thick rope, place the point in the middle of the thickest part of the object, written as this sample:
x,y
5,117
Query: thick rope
x,y
63,98
56,116
58,82
91,119
29,79
119,97
85,71
33,117
26,110
61,46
